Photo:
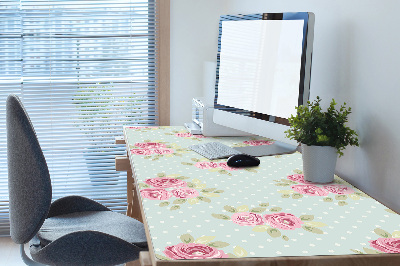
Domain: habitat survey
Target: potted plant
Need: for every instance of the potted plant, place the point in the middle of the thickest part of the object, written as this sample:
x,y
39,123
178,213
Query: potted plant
x,y
323,135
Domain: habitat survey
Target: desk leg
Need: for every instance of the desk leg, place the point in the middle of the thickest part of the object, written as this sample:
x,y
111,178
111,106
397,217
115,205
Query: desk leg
x,y
129,192
133,199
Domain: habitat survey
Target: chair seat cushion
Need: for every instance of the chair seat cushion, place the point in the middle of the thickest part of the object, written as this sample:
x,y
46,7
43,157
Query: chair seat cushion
x,y
107,222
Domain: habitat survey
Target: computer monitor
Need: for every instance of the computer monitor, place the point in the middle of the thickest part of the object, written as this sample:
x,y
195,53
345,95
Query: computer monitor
x,y
263,73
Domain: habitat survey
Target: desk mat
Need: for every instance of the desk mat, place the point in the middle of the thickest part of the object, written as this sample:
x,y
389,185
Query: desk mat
x,y
196,208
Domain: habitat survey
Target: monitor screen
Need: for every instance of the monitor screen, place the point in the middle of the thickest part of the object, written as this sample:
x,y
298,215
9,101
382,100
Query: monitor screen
x,y
260,63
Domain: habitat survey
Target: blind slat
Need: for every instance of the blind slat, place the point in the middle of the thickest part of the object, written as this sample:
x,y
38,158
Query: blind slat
x,y
83,69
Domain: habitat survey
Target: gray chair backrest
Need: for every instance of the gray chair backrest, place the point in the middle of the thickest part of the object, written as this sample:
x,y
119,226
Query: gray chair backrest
x,y
29,183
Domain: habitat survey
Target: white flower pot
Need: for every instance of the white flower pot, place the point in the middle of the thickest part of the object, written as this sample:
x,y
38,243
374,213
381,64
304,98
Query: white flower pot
x,y
319,163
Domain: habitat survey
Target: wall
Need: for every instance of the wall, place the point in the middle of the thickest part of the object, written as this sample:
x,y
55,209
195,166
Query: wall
x,y
355,60
194,41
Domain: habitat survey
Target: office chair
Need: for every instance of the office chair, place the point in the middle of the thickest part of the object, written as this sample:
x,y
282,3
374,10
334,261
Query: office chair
x,y
70,231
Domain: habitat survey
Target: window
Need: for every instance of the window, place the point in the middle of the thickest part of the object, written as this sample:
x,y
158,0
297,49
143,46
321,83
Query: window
x,y
83,69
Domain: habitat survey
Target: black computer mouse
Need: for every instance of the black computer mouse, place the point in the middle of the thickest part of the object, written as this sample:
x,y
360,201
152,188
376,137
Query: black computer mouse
x,y
242,160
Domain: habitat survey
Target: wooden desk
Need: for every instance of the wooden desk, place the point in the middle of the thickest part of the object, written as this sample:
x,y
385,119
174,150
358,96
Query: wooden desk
x,y
268,215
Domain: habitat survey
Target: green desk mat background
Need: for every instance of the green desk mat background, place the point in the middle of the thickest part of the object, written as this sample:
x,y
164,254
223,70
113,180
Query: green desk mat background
x,y
201,227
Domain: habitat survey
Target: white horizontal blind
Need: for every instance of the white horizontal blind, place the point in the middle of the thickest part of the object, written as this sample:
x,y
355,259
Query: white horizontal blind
x,y
83,69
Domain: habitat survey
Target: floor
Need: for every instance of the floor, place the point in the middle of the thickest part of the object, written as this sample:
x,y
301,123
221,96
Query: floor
x,y
10,256
9,253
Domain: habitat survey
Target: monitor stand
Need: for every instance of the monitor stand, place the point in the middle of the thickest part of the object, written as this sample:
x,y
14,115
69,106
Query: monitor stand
x,y
276,148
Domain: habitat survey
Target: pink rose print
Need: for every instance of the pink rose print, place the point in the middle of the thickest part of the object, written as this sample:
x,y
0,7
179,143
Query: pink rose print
x,y
141,151
258,142
198,136
163,151
387,245
150,145
284,221
298,178
310,190
247,219
155,194
206,165
184,135
165,182
193,251
185,193
226,167
339,189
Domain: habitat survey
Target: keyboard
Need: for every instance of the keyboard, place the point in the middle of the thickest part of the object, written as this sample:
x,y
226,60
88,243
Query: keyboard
x,y
214,150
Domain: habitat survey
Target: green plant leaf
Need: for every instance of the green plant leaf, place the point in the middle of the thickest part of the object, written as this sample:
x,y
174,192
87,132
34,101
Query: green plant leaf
x,y
312,126
354,197
258,209
275,209
282,184
182,177
285,191
196,181
218,191
285,238
208,189
239,251
221,216
204,239
382,233
163,204
230,209
285,195
179,201
370,251
187,238
211,195
190,184
297,195
396,234
205,199
260,228
315,224
251,170
274,232
193,201
306,217
341,197
218,244
328,199
161,175
200,186
161,257
266,204
356,251
243,208
283,180
390,211
175,207
312,229
142,185
342,203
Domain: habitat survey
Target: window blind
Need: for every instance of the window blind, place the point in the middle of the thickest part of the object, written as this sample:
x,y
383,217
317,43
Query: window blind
x,y
83,69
